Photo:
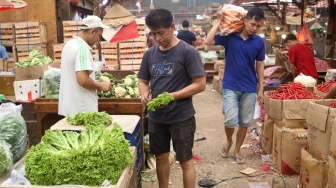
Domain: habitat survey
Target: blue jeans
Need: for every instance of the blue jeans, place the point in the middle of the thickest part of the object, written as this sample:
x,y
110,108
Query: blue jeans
x,y
238,108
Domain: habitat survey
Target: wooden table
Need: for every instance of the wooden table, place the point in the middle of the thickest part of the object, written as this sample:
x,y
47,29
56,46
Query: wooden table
x,y
47,112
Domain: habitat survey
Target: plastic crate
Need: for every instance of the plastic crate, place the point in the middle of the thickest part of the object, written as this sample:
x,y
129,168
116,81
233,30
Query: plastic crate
x,y
135,140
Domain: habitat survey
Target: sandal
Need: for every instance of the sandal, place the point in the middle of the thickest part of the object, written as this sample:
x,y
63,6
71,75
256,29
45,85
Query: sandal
x,y
225,150
238,160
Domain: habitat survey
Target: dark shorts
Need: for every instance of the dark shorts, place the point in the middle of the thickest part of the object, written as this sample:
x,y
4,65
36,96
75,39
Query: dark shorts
x,y
182,135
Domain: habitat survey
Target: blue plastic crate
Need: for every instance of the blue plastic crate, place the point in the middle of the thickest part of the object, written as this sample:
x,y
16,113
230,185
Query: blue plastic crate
x,y
135,140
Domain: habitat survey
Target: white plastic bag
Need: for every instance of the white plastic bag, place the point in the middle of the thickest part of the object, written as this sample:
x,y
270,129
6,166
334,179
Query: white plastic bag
x,y
51,82
307,81
13,129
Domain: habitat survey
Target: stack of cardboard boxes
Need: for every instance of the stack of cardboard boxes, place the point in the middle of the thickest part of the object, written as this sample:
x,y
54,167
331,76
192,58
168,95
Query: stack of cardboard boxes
x,y
285,132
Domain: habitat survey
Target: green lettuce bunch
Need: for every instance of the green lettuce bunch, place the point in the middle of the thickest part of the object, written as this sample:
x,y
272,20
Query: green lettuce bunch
x,y
87,158
90,118
6,157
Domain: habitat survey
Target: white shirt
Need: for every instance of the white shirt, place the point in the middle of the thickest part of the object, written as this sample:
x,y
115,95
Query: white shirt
x,y
73,98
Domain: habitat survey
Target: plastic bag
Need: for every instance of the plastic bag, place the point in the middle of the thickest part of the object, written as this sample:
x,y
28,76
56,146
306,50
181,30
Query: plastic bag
x,y
6,157
307,81
51,82
233,19
13,129
303,36
273,37
209,56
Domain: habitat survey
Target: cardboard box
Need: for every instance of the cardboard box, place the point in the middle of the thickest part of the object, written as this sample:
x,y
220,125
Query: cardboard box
x,y
319,93
28,90
287,144
333,137
218,64
221,72
31,73
320,119
313,172
287,113
267,135
332,169
215,83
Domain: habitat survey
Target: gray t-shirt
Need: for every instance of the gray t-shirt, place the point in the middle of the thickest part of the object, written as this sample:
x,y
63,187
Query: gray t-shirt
x,y
171,71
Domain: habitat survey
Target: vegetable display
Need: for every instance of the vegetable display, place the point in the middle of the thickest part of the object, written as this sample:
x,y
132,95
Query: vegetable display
x,y
325,87
128,88
321,66
292,91
161,100
36,58
51,82
90,118
6,157
85,158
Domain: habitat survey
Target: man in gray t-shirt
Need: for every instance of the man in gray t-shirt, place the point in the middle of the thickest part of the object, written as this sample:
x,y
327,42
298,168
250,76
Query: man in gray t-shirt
x,y
175,67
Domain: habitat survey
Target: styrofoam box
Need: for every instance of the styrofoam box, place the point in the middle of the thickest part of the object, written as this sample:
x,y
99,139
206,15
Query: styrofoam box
x,y
28,90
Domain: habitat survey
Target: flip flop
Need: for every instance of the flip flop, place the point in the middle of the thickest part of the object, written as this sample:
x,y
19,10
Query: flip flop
x,y
226,150
238,160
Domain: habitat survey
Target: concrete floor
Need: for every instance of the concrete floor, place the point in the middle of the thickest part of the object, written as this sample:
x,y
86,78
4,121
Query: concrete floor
x,y
209,119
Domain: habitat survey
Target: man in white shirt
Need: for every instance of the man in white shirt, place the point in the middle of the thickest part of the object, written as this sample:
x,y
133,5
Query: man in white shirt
x,y
78,88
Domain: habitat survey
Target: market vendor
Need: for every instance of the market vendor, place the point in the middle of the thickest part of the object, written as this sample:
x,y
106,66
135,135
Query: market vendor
x,y
301,58
78,88
4,56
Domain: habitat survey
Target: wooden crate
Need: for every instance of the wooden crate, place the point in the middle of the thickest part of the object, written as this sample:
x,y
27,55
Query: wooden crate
x,y
7,34
130,67
22,51
57,48
70,29
110,52
30,33
130,55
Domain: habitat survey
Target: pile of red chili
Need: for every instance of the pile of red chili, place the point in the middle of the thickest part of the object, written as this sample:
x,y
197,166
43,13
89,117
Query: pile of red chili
x,y
325,87
332,105
292,91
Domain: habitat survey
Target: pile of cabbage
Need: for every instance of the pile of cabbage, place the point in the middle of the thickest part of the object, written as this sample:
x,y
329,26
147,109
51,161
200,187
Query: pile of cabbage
x,y
36,58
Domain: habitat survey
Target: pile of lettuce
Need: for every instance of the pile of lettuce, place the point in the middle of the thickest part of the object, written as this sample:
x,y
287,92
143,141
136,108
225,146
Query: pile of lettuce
x,y
90,118
86,158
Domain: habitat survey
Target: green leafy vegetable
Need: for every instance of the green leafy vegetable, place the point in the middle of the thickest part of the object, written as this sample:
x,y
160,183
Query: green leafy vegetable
x,y
90,118
161,100
36,58
51,82
6,157
13,130
86,158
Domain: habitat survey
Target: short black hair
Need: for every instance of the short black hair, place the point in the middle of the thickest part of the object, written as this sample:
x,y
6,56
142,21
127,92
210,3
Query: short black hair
x,y
185,23
159,18
290,37
255,13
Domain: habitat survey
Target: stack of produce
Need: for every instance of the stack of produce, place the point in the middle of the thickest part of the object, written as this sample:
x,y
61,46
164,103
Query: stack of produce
x,y
36,58
233,19
325,87
128,88
270,70
321,66
292,91
86,158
